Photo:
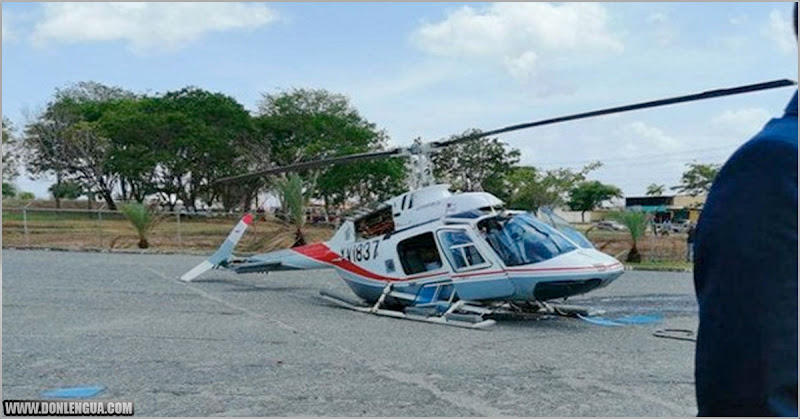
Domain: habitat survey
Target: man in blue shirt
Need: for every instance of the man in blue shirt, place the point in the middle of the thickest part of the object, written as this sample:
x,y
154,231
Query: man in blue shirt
x,y
746,279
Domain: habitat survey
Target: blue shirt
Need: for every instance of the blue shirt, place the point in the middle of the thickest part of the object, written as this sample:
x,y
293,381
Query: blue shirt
x,y
745,277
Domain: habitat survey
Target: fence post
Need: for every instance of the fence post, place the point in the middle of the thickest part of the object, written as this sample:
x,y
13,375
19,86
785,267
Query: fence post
x,y
100,228
180,242
25,226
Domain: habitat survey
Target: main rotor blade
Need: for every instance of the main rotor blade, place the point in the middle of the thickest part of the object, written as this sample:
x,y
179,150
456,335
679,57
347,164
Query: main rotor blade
x,y
312,164
652,104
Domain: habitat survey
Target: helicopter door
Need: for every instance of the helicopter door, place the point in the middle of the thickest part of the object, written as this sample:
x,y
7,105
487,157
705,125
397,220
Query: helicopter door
x,y
474,275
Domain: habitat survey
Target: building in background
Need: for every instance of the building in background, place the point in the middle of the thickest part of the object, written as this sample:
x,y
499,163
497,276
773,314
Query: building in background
x,y
674,208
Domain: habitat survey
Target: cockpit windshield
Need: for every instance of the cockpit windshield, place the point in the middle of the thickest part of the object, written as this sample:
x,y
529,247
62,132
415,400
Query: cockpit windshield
x,y
565,228
521,239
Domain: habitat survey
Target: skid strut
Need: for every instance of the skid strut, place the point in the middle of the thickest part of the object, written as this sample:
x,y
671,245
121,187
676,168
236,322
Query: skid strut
x,y
538,310
473,319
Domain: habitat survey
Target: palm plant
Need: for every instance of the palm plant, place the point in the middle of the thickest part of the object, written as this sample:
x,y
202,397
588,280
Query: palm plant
x,y
143,220
636,222
294,201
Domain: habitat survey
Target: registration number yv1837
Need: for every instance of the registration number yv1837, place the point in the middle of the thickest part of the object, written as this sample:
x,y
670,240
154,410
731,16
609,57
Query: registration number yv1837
x,y
361,251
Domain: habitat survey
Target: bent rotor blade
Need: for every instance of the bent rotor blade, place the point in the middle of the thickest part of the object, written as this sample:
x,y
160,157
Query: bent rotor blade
x,y
312,164
644,105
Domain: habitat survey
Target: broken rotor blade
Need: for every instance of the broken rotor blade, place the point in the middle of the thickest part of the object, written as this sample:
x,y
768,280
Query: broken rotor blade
x,y
643,105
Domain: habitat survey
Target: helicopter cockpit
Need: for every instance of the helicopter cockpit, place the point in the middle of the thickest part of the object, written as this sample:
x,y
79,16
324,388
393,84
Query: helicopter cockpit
x,y
521,239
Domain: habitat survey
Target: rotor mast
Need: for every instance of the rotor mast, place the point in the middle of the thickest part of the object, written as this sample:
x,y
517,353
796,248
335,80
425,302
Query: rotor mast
x,y
420,165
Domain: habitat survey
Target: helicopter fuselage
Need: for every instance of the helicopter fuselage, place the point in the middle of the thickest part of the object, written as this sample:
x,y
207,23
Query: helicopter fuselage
x,y
460,246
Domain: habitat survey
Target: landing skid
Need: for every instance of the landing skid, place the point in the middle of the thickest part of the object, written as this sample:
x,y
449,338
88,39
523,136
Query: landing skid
x,y
461,313
452,317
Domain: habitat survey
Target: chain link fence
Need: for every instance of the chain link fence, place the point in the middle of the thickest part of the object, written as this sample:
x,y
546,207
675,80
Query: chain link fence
x,y
173,231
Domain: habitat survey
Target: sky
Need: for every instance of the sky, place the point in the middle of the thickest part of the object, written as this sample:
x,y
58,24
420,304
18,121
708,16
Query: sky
x,y
432,70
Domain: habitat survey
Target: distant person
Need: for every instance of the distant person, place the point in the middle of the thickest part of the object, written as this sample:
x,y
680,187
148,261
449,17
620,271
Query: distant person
x,y
690,242
745,277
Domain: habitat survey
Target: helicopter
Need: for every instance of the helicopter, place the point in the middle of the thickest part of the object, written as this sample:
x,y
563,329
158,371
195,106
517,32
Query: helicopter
x,y
457,259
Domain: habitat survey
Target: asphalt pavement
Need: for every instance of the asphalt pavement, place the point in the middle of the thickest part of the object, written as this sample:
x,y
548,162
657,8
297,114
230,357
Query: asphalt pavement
x,y
268,345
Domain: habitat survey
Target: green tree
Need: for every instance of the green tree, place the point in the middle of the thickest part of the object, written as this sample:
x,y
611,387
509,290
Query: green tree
x,y
26,196
587,195
697,179
10,152
655,189
529,188
475,164
308,124
65,139
176,144
66,190
208,129
9,190
636,222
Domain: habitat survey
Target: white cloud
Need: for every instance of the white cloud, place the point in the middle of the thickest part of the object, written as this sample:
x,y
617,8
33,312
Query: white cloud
x,y
145,26
664,32
639,137
522,36
780,30
9,34
741,122
739,19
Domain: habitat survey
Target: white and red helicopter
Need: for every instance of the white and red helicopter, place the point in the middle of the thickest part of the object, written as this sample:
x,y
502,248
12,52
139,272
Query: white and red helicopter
x,y
455,259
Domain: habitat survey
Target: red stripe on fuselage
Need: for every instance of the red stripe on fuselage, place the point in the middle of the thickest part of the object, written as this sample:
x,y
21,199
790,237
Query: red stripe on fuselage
x,y
322,253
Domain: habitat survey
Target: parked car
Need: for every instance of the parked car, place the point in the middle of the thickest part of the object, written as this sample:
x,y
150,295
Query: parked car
x,y
609,225
681,226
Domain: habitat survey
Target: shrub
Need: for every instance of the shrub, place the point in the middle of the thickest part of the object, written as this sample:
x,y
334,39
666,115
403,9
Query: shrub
x,y
143,220
636,222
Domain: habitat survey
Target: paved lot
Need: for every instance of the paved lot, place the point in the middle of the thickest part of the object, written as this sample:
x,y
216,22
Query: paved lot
x,y
268,346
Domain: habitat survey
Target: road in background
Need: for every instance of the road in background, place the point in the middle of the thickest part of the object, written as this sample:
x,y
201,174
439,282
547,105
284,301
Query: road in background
x,y
258,345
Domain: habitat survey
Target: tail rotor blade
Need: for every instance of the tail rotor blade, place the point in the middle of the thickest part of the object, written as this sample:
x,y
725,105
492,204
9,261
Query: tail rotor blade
x,y
223,253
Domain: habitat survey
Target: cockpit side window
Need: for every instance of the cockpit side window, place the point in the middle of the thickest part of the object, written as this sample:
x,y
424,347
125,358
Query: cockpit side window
x,y
460,250
419,254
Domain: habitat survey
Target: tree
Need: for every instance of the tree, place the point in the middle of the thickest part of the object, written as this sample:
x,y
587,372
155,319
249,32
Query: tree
x,y
587,195
26,196
636,222
529,188
88,155
10,152
308,124
44,142
66,141
207,129
655,189
67,190
472,165
697,179
9,190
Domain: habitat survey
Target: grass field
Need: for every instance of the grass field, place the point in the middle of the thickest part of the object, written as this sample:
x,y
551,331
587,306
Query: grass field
x,y
110,230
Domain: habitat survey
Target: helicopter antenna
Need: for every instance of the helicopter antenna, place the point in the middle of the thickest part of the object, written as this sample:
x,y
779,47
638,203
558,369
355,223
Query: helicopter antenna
x,y
419,153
